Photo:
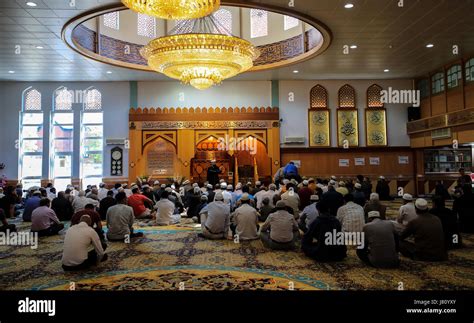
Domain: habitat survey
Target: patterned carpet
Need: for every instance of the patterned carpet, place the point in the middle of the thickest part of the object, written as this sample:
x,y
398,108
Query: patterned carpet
x,y
174,257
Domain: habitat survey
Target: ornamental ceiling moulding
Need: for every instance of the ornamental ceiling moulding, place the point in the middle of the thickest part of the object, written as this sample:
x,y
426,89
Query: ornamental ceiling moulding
x,y
168,125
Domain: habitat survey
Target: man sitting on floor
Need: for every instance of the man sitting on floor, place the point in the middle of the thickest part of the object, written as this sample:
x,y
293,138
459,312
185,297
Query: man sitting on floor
x,y
165,211
351,215
428,233
76,254
215,219
120,220
315,241
4,226
280,230
44,220
380,243
309,214
137,201
245,220
94,216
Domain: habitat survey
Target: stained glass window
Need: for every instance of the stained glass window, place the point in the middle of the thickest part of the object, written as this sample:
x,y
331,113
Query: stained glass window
x,y
146,26
290,22
258,23
112,20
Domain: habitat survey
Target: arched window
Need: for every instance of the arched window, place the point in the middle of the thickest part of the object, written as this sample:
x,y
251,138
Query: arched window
x,y
112,20
92,138
30,143
470,70
318,97
347,97
454,76
146,26
224,18
437,83
61,138
374,96
290,22
258,23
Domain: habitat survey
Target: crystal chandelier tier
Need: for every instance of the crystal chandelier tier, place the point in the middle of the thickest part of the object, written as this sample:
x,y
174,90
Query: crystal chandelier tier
x,y
201,53
173,9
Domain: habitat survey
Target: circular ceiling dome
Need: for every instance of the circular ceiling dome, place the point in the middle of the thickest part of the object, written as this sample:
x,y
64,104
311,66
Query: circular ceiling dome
x,y
116,35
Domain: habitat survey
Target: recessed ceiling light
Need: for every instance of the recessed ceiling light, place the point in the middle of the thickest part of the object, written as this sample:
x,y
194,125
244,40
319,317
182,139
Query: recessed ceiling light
x,y
109,72
296,71
353,46
11,72
349,6
429,46
31,4
39,47
386,70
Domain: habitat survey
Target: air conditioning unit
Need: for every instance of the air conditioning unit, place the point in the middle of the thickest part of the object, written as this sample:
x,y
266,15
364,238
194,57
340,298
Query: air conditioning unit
x,y
115,141
441,133
294,140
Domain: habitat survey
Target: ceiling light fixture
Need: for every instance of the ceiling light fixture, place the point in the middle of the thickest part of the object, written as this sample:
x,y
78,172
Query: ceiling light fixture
x,y
200,52
31,4
349,6
429,46
174,9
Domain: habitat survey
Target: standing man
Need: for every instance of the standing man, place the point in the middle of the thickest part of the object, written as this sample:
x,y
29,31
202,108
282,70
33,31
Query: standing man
x,y
213,173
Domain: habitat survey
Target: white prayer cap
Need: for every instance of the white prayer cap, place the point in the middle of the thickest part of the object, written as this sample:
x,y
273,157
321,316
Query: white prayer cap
x,y
421,204
407,197
373,214
374,196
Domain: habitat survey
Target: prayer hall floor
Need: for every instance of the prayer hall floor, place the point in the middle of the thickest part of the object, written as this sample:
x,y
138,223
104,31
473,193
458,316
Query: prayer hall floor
x,y
174,257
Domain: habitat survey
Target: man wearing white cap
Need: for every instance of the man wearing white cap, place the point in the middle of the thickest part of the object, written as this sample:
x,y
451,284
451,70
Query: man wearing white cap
x,y
245,220
272,191
427,231
215,219
309,214
304,194
359,196
283,229
380,243
259,196
407,211
342,188
102,193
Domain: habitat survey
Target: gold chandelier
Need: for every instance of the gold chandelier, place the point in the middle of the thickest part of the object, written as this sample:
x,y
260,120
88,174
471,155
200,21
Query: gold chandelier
x,y
173,9
200,59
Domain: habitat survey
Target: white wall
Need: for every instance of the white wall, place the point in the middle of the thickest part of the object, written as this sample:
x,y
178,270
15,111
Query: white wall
x,y
295,114
115,104
228,94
